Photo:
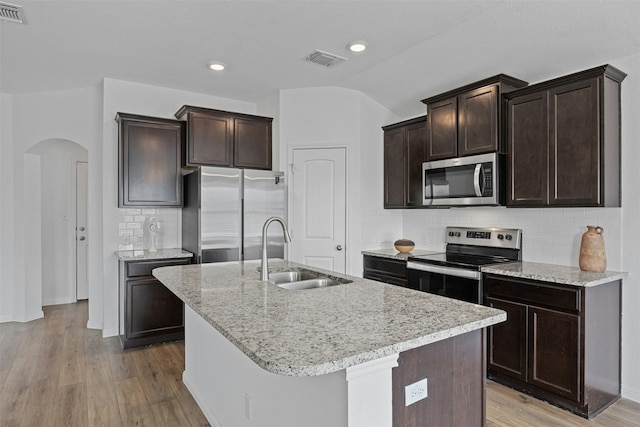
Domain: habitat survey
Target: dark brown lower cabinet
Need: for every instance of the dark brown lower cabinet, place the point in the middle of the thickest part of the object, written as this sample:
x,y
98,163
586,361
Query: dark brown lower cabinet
x,y
149,312
560,343
455,373
387,270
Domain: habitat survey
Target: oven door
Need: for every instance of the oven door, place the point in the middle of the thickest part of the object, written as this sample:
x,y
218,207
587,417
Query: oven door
x,y
451,282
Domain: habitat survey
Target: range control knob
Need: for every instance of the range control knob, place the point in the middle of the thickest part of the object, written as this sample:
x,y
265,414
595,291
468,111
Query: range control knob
x,y
451,234
457,234
500,237
508,237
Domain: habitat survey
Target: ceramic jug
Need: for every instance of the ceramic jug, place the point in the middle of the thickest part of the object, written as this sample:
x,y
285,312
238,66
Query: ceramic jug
x,y
592,256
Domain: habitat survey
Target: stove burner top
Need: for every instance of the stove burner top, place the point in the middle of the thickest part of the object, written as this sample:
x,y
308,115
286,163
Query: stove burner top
x,y
461,260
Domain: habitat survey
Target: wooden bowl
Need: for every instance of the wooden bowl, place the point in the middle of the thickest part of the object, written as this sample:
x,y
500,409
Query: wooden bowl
x,y
404,245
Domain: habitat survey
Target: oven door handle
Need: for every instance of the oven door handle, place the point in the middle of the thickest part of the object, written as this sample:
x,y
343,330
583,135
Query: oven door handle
x,y
449,271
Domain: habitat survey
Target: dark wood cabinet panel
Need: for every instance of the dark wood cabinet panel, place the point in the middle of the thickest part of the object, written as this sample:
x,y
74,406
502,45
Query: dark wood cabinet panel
x,y
252,143
224,138
574,144
528,153
468,120
454,369
442,125
554,343
149,161
507,342
560,343
209,140
564,141
148,312
478,121
404,153
387,270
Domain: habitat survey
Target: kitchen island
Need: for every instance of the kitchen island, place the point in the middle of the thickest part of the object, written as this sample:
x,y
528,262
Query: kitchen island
x,y
257,354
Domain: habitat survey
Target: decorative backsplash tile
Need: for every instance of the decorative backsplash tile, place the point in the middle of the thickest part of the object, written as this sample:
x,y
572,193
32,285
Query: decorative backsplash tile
x,y
133,228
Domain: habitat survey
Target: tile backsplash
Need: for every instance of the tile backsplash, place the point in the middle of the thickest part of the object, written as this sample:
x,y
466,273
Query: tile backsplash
x,y
550,235
133,228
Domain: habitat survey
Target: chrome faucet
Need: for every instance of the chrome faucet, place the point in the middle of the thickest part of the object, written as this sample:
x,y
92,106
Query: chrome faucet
x,y
264,267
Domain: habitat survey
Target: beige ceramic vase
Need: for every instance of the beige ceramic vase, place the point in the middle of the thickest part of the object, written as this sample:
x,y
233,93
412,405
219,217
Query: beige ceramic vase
x,y
592,256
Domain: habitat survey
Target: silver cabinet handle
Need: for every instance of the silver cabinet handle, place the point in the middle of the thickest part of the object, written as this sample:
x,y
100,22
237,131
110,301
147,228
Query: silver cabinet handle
x,y
339,247
81,237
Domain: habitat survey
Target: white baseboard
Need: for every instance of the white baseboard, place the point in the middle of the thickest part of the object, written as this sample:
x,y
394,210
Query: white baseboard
x,y
57,301
208,412
112,332
631,394
6,318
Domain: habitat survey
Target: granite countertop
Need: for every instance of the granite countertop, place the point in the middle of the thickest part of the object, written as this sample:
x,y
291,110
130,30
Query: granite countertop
x,y
554,273
318,331
394,254
140,255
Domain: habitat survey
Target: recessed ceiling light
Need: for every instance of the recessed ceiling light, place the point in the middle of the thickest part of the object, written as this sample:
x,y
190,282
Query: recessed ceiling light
x,y
357,47
217,66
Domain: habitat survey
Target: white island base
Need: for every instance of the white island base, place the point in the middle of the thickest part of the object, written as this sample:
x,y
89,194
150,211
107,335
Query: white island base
x,y
233,391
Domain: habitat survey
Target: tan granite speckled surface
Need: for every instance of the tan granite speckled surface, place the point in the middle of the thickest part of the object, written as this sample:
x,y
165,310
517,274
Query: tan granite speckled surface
x,y
139,255
554,273
318,331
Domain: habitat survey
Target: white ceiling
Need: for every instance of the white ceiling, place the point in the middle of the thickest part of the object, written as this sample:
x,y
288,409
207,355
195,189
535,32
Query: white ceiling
x,y
416,48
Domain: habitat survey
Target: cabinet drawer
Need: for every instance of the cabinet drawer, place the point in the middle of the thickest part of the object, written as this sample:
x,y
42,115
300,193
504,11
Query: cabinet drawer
x,y
385,266
143,268
535,293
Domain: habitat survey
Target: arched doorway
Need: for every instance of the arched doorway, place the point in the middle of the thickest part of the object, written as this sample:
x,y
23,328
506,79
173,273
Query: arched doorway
x,y
51,181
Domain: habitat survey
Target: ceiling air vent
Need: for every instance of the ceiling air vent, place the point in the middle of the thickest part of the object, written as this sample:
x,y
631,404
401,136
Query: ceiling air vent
x,y
12,13
325,58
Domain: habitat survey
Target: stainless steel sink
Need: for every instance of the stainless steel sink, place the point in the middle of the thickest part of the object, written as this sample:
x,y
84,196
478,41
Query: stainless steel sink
x,y
303,279
290,276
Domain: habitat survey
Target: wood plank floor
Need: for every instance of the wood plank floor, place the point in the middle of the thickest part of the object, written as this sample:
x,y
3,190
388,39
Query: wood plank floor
x,y
55,372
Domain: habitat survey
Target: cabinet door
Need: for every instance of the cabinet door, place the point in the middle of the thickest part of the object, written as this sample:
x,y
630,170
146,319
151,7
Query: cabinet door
x,y
478,121
394,168
507,341
252,143
554,351
574,142
528,154
152,309
209,139
416,136
149,163
442,132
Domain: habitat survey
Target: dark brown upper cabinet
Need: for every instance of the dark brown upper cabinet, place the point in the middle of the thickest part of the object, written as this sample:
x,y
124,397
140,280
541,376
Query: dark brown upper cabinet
x,y
223,138
563,140
404,153
149,161
467,120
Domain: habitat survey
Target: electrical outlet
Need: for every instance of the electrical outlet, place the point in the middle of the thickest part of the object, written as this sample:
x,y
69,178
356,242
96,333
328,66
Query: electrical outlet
x,y
414,392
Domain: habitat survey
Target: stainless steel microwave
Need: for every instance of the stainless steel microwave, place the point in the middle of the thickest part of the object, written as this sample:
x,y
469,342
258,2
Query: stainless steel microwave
x,y
464,181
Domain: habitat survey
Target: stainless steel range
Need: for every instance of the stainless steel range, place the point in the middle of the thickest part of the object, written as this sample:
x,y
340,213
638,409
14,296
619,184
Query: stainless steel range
x,y
456,272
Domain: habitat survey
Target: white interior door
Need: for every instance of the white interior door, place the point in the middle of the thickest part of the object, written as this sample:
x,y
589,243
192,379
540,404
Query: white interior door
x,y
82,236
318,224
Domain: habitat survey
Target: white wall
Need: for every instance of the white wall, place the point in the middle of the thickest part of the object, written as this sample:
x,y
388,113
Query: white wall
x,y
336,117
135,98
6,213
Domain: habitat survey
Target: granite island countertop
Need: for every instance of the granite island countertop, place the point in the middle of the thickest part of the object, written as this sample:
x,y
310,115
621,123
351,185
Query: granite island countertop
x,y
144,254
318,331
560,274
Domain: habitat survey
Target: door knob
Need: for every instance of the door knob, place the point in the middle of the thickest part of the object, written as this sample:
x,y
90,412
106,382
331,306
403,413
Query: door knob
x,y
81,237
339,247
81,228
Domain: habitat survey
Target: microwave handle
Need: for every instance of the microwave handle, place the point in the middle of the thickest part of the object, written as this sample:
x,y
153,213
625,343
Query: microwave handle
x,y
476,180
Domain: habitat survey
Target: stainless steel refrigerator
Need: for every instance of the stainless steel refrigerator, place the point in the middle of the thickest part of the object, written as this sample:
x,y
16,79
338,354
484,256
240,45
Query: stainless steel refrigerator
x,y
225,209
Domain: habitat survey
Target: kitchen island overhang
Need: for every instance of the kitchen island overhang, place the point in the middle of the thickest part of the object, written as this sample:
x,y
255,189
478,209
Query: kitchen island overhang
x,y
345,338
